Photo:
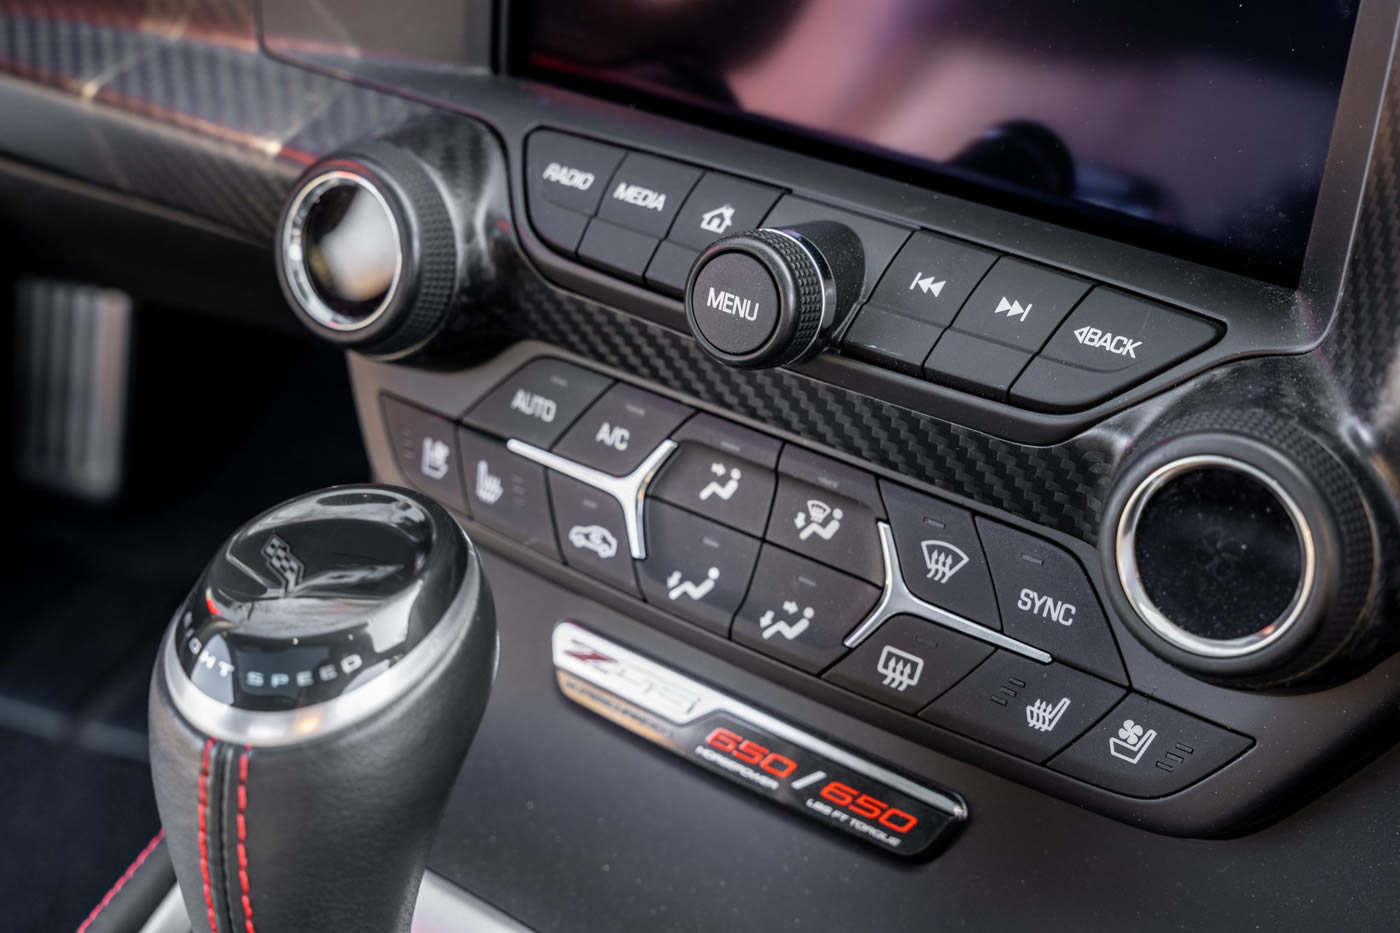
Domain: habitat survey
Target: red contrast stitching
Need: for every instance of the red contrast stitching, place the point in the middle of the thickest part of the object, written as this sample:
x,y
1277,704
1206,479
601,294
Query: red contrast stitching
x,y
204,835
121,882
242,839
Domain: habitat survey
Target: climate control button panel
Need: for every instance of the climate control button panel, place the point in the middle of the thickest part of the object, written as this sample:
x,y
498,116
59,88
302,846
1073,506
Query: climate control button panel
x,y
904,598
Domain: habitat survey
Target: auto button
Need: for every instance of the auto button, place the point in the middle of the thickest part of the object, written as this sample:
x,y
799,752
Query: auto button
x,y
537,402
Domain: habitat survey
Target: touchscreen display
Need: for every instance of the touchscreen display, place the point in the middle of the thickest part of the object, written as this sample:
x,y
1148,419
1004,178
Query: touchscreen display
x,y
1197,127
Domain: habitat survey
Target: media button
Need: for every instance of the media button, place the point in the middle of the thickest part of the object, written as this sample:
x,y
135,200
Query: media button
x,y
931,277
720,205
940,555
1020,304
646,193
695,568
621,430
1022,707
799,611
507,493
908,663
537,402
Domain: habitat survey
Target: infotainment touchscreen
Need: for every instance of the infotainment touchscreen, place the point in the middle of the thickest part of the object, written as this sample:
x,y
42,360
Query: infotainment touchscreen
x,y
1197,127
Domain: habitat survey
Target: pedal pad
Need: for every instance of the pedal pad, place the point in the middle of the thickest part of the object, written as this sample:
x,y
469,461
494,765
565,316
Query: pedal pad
x,y
73,352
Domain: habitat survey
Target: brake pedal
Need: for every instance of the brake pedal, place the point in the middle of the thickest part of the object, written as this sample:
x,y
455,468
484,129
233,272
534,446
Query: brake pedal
x,y
73,349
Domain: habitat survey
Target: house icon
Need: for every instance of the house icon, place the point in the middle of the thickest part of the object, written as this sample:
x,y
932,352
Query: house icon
x,y
718,220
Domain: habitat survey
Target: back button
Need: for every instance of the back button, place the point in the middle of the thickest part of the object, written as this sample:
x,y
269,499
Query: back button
x,y
695,568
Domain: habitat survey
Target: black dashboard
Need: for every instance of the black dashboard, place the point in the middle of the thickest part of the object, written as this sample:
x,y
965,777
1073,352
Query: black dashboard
x,y
934,460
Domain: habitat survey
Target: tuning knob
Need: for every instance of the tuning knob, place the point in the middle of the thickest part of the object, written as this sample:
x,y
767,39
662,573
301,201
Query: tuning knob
x,y
771,296
1242,549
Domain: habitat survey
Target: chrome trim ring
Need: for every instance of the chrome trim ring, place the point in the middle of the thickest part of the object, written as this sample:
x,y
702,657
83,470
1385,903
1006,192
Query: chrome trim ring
x,y
294,252
1130,578
270,728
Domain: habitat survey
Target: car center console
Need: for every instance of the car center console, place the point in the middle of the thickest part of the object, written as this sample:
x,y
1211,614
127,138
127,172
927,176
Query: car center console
x,y
1040,446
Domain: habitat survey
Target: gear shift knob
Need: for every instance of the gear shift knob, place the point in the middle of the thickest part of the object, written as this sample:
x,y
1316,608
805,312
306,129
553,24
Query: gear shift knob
x,y
312,703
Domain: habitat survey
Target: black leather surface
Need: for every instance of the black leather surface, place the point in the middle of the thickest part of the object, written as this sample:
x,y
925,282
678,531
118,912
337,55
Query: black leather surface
x,y
328,835
132,899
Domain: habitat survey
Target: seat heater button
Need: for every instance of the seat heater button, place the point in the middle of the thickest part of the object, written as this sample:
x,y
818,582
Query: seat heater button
x,y
591,531
940,554
621,430
1146,749
1047,601
645,193
908,663
799,611
571,172
507,493
695,568
1022,707
425,447
718,486
537,402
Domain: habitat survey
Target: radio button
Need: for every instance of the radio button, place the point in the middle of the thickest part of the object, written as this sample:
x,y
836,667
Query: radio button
x,y
1146,749
507,493
931,278
908,663
646,193
720,205
1020,304
621,430
591,531
975,365
799,611
718,486
940,554
695,568
537,402
570,172
1047,601
1022,707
